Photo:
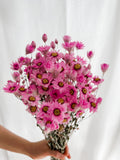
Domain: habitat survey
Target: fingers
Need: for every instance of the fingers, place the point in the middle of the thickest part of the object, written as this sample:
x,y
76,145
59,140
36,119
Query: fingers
x,y
57,154
66,153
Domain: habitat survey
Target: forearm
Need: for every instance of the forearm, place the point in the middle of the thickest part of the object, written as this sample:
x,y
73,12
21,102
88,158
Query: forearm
x,y
11,142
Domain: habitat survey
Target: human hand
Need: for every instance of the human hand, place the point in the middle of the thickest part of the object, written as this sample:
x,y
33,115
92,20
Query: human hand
x,y
39,150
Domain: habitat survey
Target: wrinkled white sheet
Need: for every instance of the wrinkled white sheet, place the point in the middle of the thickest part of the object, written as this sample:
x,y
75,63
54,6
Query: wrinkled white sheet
x,y
94,22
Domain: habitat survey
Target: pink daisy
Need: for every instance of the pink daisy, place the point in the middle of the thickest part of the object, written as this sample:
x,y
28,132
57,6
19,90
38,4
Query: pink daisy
x,y
42,90
16,76
67,118
15,66
32,109
11,87
44,49
68,58
71,92
49,65
79,45
73,105
83,103
57,111
46,79
50,124
79,113
38,63
96,80
59,83
69,46
54,93
30,99
55,55
81,60
36,77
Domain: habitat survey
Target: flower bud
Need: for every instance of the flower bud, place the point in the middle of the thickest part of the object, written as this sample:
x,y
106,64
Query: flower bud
x,y
67,38
44,37
104,67
52,44
90,54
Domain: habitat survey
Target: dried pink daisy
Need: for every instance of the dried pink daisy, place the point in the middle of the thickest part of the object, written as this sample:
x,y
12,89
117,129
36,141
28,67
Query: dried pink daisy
x,y
16,76
50,125
42,90
49,65
69,46
15,66
44,49
79,113
73,105
97,80
81,60
38,63
11,87
67,118
68,58
55,55
32,109
30,99
71,92
54,93
36,77
57,111
77,67
79,45
59,83
46,80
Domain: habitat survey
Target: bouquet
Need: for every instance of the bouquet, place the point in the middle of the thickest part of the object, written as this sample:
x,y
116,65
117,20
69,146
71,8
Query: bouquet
x,y
57,87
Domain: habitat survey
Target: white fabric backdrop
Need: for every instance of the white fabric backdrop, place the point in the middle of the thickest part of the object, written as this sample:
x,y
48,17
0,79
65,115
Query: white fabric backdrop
x,y
96,24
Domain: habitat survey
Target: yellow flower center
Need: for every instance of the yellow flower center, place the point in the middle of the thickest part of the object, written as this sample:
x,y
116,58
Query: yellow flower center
x,y
39,64
96,79
48,122
12,88
54,54
73,105
45,109
33,108
39,76
56,111
71,91
93,104
45,81
31,98
61,84
60,100
77,66
84,90
22,89
45,88
65,120
62,69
